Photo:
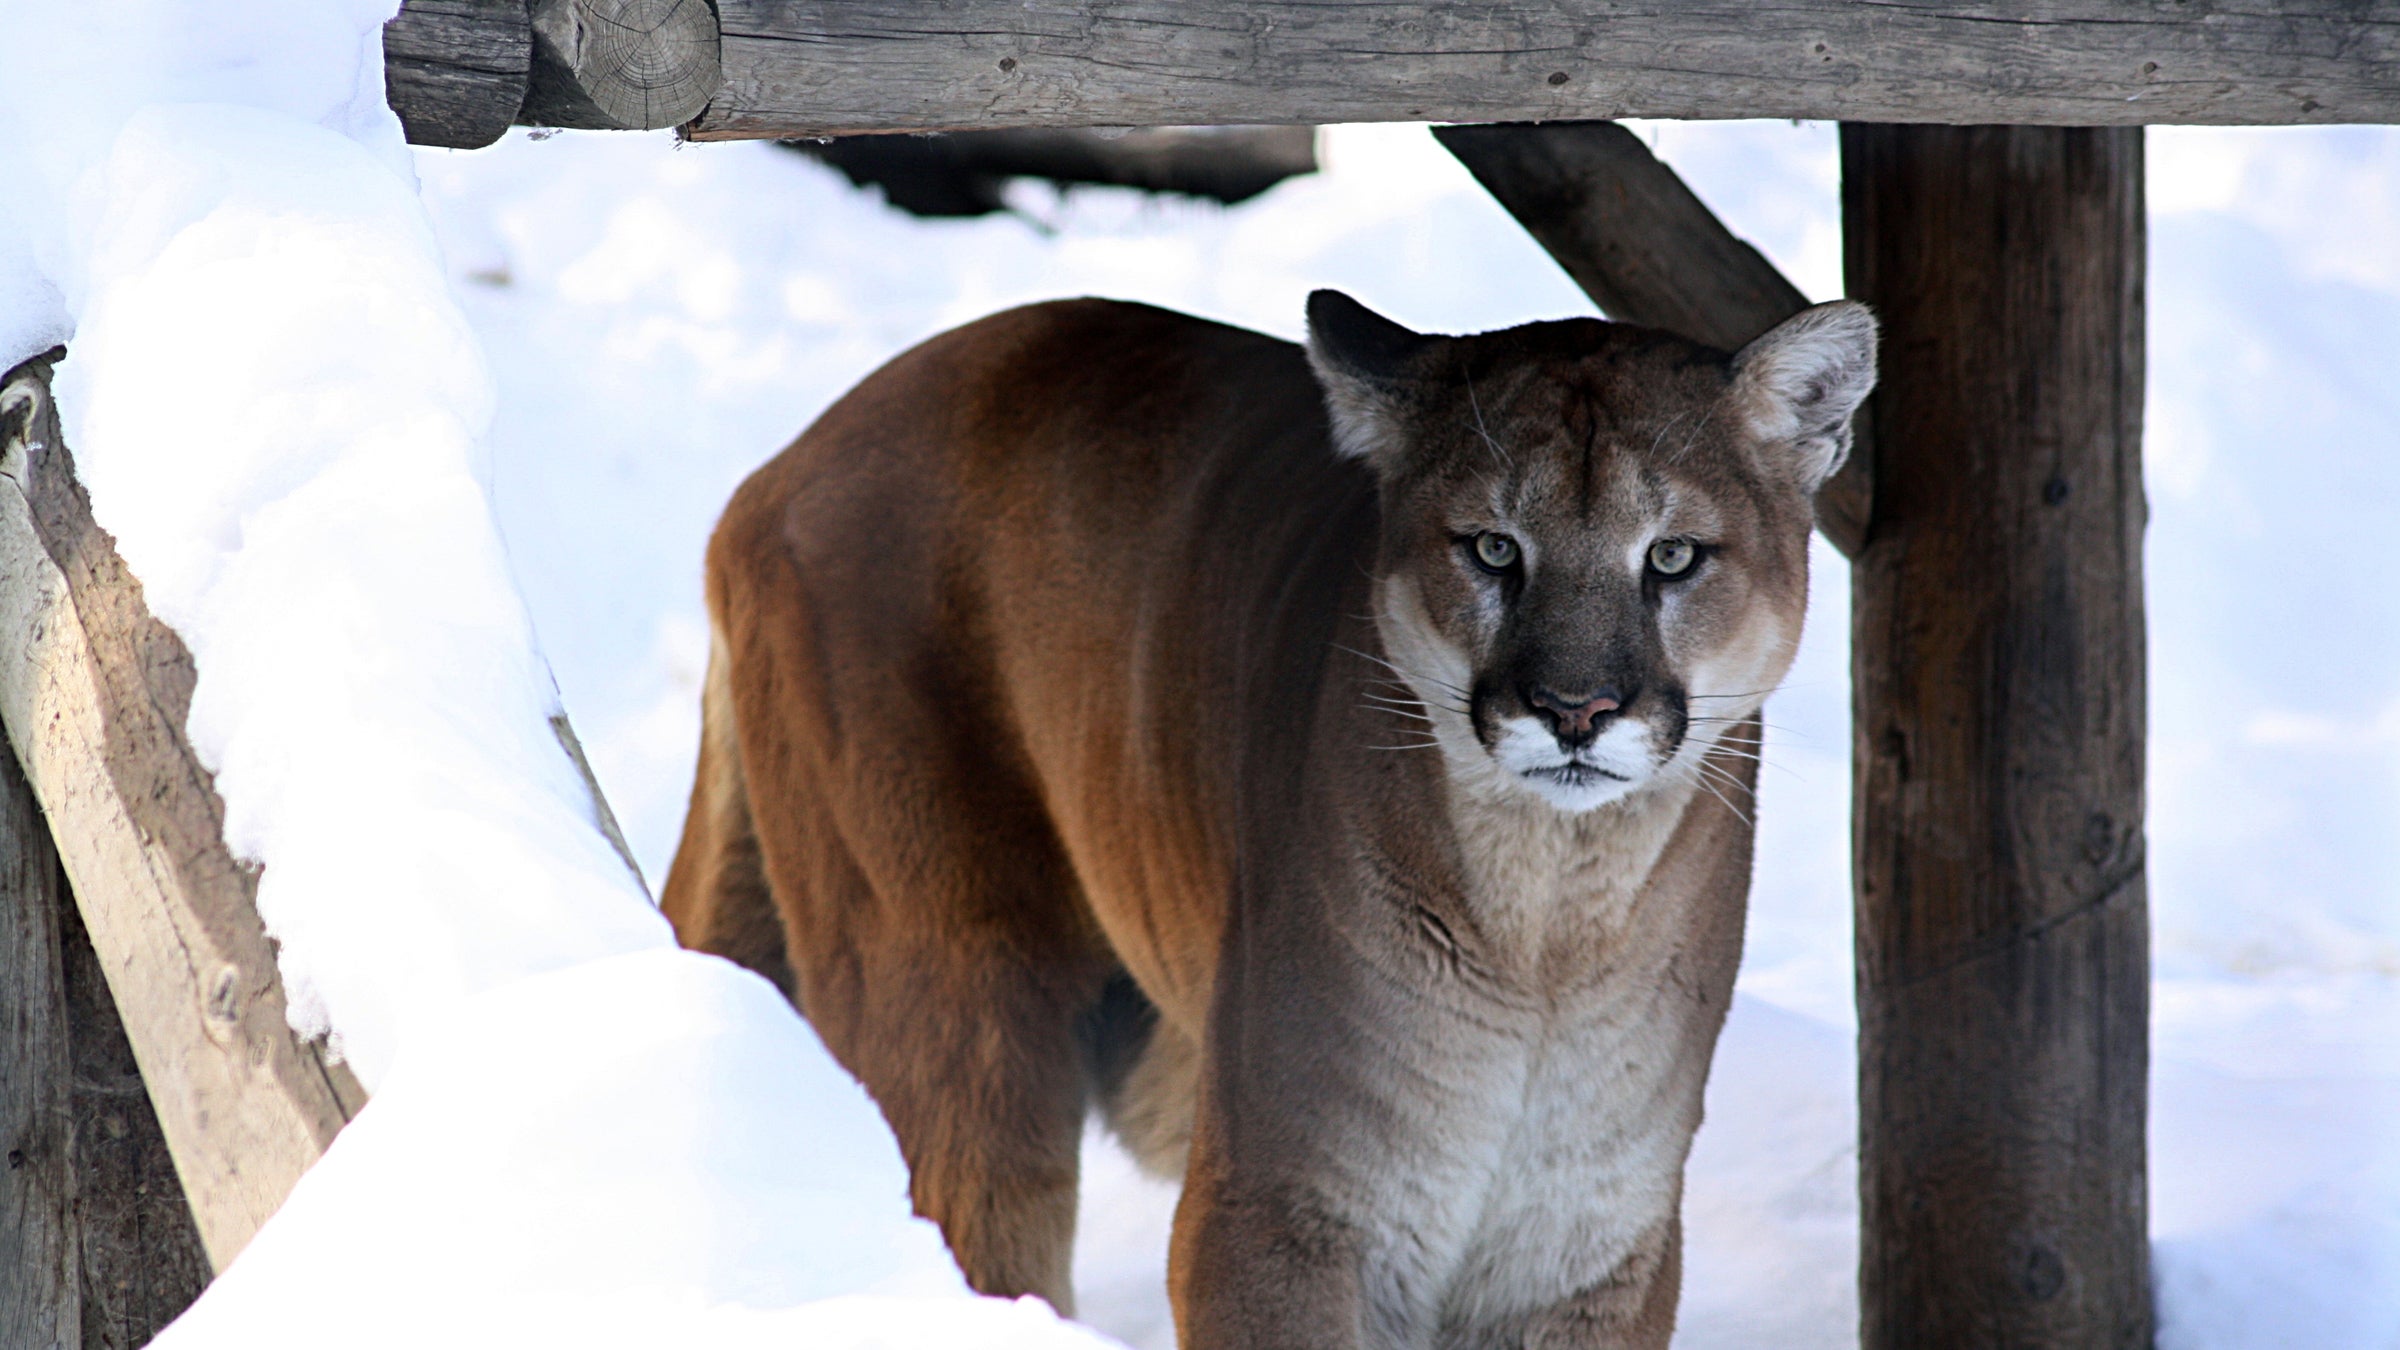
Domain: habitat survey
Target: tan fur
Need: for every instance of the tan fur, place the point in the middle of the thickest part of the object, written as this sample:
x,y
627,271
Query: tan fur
x,y
1092,721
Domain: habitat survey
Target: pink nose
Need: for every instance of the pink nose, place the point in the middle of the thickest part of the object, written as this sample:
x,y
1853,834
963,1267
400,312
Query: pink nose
x,y
1574,717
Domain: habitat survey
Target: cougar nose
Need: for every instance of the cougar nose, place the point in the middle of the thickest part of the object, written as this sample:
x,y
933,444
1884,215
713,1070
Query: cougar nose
x,y
1576,721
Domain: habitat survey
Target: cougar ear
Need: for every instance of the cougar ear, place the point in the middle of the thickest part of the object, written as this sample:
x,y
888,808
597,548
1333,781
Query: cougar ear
x,y
1362,361
1802,379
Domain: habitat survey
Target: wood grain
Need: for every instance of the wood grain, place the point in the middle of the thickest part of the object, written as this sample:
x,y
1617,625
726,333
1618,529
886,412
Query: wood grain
x,y
811,67
40,1303
621,65
97,1247
455,70
1997,654
142,1261
93,693
1649,251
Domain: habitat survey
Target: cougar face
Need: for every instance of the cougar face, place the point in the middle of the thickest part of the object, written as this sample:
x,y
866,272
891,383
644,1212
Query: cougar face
x,y
1594,549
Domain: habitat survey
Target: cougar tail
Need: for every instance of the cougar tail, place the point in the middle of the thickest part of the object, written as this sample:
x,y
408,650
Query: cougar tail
x,y
716,893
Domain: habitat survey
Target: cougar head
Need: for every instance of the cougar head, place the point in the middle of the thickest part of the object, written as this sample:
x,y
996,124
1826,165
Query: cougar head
x,y
1594,551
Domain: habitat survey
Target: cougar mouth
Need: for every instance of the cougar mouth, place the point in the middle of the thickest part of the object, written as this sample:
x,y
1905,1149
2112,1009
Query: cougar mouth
x,y
1575,773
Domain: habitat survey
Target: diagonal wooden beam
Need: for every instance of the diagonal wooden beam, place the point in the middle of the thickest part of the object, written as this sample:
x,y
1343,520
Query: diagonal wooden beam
x,y
1647,251
93,693
97,1245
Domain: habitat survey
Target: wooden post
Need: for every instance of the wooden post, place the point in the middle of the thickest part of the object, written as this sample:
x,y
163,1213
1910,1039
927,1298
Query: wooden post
x,y
97,1247
2003,961
1647,250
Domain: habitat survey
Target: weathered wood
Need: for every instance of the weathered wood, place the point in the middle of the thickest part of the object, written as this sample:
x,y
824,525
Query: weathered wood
x,y
2003,960
964,174
455,70
93,693
97,1247
828,67
1648,251
621,65
40,1303
142,1262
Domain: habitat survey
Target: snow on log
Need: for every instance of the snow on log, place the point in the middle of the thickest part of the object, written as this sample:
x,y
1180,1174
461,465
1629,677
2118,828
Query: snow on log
x,y
621,65
830,67
455,70
1648,251
94,692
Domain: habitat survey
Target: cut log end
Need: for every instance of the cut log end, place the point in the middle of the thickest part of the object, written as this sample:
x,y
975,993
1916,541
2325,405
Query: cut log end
x,y
634,65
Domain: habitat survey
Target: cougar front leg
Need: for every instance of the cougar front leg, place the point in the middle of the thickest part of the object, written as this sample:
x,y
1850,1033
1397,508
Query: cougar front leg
x,y
1260,1268
1633,1308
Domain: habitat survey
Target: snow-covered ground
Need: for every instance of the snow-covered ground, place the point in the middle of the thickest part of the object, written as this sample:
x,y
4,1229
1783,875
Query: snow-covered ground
x,y
363,457
661,319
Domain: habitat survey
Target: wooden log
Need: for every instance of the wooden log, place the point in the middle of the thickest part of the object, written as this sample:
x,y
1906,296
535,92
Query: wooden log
x,y
93,694
455,70
40,1303
141,1258
2003,959
1648,251
97,1247
964,174
830,67
621,65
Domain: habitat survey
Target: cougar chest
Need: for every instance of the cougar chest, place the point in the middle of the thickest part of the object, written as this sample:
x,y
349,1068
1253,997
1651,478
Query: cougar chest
x,y
1555,1149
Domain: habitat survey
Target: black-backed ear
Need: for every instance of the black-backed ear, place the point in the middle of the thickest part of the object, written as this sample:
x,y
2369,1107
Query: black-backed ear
x,y
1802,379
1362,360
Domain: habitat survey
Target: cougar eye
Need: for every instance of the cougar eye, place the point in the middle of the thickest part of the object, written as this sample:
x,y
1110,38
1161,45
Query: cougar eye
x,y
1495,553
1673,557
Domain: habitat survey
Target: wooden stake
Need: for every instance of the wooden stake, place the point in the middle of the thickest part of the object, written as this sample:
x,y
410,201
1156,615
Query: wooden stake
x,y
2003,968
1648,251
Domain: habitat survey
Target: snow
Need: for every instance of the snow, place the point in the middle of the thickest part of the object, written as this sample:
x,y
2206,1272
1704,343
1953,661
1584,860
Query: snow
x,y
361,442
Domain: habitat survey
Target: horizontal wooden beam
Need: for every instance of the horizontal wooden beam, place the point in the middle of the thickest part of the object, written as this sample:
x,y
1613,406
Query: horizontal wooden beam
x,y
455,70
93,693
1649,251
459,73
830,67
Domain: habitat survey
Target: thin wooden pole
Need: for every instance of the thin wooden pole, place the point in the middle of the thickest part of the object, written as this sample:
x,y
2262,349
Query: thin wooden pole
x,y
2003,958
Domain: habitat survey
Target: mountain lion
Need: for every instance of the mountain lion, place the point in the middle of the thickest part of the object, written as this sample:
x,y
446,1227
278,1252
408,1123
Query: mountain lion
x,y
1334,764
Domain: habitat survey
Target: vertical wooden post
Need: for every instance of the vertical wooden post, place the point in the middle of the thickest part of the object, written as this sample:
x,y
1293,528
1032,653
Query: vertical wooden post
x,y
2003,958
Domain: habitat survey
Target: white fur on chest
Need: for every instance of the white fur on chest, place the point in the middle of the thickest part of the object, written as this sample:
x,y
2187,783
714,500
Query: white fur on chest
x,y
1563,1115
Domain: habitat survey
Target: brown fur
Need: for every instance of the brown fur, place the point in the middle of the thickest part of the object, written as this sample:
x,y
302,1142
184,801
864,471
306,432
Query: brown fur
x,y
1048,762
